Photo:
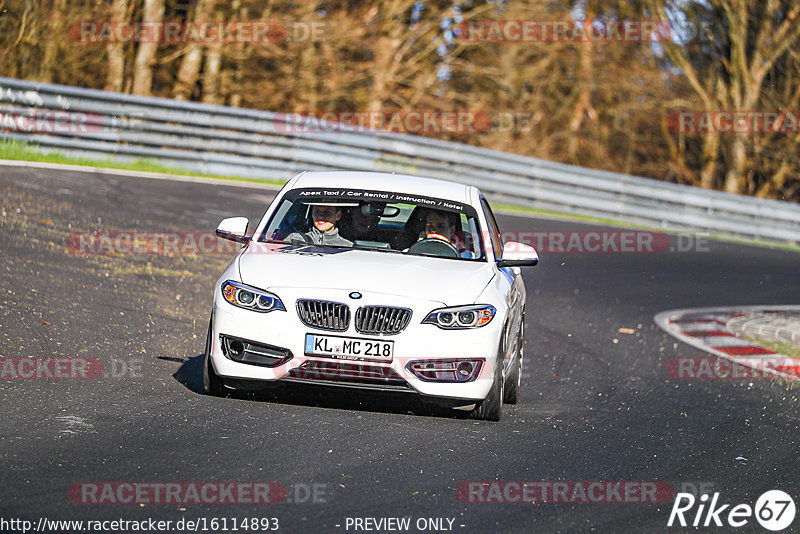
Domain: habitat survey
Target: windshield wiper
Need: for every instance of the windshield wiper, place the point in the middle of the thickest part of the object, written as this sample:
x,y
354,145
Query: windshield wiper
x,y
375,249
378,246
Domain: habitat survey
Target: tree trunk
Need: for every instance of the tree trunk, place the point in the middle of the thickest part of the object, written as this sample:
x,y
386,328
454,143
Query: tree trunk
x,y
211,76
583,105
385,50
735,177
146,55
708,171
189,70
235,77
773,185
55,28
116,51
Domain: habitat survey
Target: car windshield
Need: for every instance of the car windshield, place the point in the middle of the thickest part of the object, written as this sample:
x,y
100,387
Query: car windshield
x,y
379,221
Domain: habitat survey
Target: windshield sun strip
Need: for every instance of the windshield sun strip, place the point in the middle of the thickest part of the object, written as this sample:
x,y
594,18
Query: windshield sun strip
x,y
338,196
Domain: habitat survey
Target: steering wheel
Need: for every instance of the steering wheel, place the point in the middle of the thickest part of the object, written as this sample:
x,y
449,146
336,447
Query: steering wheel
x,y
434,247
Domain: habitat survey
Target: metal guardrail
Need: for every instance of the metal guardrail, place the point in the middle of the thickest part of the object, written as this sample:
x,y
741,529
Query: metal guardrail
x,y
261,145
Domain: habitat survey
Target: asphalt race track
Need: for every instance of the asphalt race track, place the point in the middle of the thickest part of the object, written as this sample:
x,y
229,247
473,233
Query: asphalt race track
x,y
597,403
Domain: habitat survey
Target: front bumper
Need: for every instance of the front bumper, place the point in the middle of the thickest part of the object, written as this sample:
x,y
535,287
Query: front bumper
x,y
284,335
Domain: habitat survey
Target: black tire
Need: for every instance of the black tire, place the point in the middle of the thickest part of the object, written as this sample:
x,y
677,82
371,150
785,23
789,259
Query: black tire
x,y
511,390
212,383
490,409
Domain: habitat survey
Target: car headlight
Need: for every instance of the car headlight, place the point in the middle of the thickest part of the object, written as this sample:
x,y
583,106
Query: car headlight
x,y
250,298
461,316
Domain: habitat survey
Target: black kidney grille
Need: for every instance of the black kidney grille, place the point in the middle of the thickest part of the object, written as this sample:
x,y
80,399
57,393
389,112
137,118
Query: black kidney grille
x,y
382,319
324,314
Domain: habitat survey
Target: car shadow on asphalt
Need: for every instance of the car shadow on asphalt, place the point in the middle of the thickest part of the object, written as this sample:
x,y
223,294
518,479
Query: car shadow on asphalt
x,y
190,375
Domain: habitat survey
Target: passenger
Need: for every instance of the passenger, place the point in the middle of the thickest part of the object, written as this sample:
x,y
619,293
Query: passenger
x,y
324,231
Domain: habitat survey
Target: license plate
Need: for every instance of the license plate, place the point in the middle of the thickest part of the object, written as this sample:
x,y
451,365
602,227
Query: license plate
x,y
348,348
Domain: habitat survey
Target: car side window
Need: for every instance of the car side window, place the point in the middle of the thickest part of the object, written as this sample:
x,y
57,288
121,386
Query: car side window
x,y
494,230
286,228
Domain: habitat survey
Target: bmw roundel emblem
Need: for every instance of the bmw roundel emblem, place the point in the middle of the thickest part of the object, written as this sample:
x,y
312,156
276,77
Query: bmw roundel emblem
x,y
355,295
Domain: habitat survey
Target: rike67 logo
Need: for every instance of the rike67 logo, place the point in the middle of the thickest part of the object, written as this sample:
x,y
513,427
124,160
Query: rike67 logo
x,y
774,510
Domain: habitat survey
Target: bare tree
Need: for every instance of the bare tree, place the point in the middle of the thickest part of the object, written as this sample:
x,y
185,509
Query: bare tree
x,y
116,49
211,71
747,39
189,70
52,44
598,104
146,54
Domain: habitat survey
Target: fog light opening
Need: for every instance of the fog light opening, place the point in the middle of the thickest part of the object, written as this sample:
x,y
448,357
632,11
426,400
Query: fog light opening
x,y
450,370
236,347
465,368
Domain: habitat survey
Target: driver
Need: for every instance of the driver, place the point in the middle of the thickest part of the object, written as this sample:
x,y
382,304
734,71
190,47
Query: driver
x,y
442,225
324,231
438,226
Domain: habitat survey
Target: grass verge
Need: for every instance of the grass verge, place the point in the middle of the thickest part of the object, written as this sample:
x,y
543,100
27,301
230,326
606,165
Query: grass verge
x,y
16,150
511,209
19,151
779,347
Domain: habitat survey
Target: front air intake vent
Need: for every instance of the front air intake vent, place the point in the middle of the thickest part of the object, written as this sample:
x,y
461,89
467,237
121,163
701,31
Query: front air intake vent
x,y
382,319
324,314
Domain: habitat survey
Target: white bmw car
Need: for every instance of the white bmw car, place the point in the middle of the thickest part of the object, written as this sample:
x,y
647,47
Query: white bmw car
x,y
373,281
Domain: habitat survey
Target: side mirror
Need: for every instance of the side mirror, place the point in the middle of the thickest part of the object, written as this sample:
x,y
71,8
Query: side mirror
x,y
518,255
234,229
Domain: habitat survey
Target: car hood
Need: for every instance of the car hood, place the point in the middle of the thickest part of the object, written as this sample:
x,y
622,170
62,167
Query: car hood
x,y
271,266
